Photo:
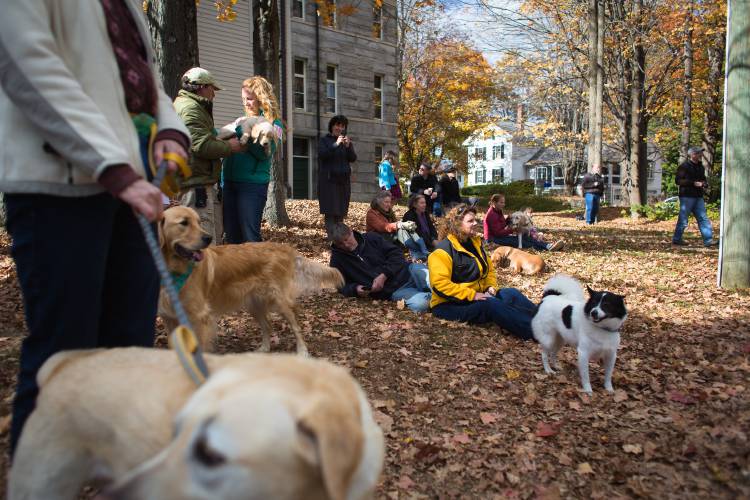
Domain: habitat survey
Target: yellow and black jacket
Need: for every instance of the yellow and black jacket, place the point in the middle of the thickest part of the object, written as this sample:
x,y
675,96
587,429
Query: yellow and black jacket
x,y
456,274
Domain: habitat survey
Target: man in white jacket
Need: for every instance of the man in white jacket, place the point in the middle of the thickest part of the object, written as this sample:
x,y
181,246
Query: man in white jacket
x,y
72,76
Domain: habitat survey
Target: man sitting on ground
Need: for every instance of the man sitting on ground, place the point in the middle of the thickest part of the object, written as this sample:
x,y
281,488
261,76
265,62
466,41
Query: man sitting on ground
x,y
373,267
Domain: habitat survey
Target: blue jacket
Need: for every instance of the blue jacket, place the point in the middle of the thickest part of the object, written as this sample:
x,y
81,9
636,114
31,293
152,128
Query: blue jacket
x,y
386,178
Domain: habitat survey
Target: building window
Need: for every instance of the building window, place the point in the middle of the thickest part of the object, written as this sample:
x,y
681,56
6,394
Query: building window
x,y
327,9
498,175
480,153
479,176
651,171
377,21
298,8
377,97
300,71
331,90
495,152
502,150
378,153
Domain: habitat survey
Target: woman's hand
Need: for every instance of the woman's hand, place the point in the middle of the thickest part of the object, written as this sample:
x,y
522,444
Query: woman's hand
x,y
168,146
491,291
481,296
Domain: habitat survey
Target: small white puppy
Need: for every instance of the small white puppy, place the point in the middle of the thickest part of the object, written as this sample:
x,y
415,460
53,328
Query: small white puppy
x,y
256,128
592,326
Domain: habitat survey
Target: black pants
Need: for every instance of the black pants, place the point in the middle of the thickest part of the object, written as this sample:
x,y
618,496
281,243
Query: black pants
x,y
87,281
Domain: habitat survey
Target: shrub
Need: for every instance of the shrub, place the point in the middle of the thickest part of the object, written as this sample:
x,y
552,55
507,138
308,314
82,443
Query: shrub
x,y
666,211
515,188
538,203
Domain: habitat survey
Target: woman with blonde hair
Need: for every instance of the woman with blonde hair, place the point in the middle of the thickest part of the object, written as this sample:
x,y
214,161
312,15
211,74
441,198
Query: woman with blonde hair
x,y
247,174
464,284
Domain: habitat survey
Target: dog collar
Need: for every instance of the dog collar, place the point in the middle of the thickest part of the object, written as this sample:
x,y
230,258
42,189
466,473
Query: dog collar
x,y
181,278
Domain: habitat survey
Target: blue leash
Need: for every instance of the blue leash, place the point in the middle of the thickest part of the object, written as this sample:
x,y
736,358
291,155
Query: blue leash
x,y
182,339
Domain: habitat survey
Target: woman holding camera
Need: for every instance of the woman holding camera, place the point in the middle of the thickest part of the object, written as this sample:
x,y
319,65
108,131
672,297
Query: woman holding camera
x,y
463,281
335,154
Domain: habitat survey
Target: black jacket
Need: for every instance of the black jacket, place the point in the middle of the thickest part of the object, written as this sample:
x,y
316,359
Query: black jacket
x,y
334,176
449,191
687,174
419,184
593,183
429,236
372,256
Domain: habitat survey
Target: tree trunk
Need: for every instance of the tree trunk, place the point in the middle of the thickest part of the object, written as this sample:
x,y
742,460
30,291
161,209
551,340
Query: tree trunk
x,y
593,35
266,50
174,33
687,100
713,109
599,85
734,264
637,171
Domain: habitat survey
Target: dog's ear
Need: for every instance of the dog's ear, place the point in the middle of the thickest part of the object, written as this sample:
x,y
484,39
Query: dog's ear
x,y
160,231
590,290
330,437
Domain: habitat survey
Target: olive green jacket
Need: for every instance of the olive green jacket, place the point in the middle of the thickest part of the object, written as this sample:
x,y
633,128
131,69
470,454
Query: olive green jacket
x,y
206,151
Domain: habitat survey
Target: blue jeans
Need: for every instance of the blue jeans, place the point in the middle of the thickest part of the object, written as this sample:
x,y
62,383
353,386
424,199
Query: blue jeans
x,y
697,207
592,207
510,309
87,280
416,291
243,210
512,241
437,209
414,242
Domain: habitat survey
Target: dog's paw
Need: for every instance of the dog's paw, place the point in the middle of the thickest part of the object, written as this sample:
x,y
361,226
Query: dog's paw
x,y
609,388
588,390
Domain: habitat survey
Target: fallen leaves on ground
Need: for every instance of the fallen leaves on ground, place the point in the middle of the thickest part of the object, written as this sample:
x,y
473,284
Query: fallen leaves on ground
x,y
468,411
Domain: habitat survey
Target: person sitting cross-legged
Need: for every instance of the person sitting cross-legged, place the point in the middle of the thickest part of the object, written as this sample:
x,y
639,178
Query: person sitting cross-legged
x,y
496,229
373,267
464,284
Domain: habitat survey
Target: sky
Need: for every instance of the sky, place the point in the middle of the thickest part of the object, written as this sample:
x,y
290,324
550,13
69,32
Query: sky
x,y
493,34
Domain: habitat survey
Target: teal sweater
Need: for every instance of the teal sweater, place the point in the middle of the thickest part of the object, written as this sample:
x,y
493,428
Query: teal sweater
x,y
252,165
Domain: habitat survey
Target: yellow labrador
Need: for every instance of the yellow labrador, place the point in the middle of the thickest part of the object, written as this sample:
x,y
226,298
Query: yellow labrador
x,y
281,427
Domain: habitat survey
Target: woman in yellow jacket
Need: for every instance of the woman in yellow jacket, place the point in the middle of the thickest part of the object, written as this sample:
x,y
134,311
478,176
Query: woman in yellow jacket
x,y
463,281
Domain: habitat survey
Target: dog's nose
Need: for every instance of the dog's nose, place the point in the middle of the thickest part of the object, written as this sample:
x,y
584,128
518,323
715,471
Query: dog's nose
x,y
206,239
595,314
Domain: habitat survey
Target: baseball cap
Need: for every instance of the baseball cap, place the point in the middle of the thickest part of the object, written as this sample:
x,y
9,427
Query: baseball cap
x,y
695,149
200,76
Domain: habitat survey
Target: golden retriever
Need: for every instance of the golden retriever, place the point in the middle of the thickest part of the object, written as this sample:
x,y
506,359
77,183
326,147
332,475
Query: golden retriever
x,y
517,260
281,427
255,277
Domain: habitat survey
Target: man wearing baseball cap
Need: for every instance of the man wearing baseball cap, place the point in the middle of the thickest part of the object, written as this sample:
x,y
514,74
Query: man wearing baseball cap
x,y
691,179
194,104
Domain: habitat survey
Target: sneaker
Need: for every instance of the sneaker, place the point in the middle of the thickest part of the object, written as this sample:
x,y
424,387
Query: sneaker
x,y
680,243
558,245
711,243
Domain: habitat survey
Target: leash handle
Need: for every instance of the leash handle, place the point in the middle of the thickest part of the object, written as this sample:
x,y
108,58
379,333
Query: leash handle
x,y
182,339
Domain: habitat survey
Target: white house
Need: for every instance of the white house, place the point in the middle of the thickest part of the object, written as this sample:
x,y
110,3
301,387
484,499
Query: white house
x,y
500,155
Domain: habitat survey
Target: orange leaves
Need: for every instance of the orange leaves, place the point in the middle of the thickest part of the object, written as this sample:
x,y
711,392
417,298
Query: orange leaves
x,y
448,92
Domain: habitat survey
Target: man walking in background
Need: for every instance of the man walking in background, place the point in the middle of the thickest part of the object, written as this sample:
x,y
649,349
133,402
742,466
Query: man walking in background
x,y
194,104
691,179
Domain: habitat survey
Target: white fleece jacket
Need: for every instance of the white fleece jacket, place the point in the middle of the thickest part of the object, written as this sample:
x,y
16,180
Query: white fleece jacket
x,y
63,118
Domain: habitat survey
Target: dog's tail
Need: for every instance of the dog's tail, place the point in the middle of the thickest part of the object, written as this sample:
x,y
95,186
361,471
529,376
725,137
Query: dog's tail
x,y
565,286
311,276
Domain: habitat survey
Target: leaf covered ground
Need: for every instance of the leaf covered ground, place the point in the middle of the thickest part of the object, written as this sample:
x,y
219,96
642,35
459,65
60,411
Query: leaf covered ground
x,y
468,411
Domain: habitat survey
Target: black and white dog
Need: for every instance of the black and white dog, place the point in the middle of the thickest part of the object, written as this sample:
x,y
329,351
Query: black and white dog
x,y
592,326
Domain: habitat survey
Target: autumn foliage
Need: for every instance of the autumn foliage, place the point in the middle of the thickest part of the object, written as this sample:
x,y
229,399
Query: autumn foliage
x,y
449,91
